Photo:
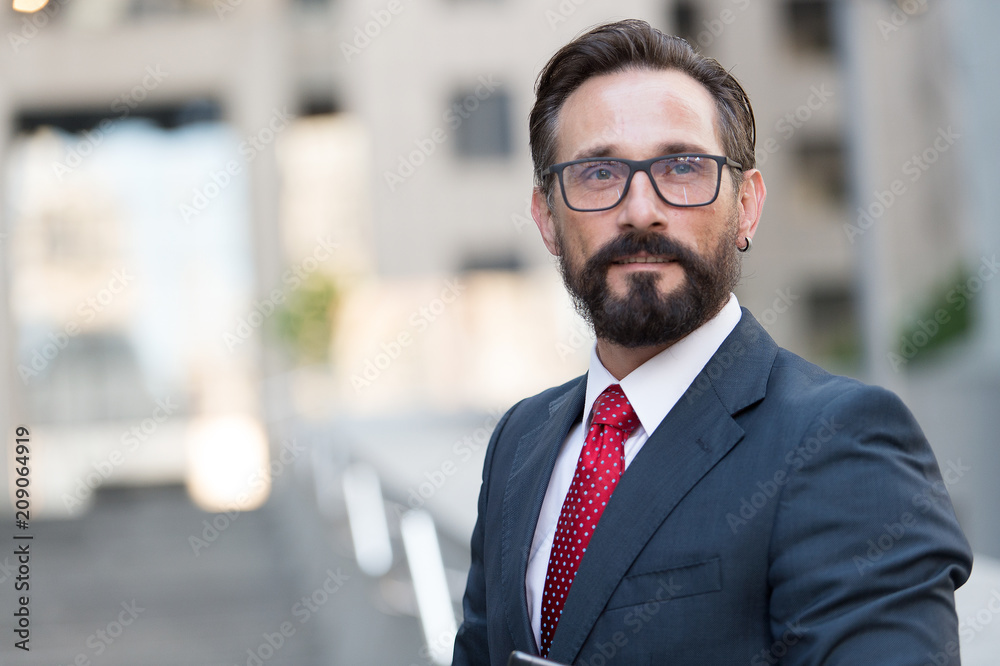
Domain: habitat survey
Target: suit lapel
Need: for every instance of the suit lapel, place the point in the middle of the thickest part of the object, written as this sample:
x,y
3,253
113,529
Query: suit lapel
x,y
692,438
533,462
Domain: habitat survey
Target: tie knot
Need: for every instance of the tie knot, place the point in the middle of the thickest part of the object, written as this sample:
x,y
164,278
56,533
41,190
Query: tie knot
x,y
613,409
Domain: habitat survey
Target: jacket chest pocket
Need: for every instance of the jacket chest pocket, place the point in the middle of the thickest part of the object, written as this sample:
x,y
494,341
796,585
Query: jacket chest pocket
x,y
662,585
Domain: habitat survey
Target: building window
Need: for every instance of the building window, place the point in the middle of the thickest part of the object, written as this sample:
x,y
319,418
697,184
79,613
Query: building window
x,y
145,8
318,103
480,120
821,168
497,259
96,377
809,25
683,19
832,323
196,110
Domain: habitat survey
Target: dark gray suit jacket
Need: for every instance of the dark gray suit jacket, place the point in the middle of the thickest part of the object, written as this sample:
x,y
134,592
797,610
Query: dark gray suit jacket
x,y
778,514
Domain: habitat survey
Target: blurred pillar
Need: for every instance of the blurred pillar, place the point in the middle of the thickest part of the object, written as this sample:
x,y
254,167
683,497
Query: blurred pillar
x,y
976,382
9,407
872,276
974,25
261,98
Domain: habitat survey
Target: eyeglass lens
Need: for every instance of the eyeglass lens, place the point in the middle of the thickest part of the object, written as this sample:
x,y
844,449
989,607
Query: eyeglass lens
x,y
681,179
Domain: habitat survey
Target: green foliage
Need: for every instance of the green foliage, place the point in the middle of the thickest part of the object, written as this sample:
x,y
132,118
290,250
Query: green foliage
x,y
305,320
946,319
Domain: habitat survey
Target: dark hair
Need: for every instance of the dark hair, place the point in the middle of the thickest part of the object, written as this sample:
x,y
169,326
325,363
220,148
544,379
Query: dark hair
x,y
634,44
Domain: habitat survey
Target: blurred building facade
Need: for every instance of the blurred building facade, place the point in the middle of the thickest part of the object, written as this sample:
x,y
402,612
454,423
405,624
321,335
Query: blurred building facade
x,y
423,108
873,257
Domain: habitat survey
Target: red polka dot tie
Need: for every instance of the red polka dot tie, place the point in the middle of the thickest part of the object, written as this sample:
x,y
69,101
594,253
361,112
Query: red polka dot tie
x,y
601,463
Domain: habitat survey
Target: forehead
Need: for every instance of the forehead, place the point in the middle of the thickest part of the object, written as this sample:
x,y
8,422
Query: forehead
x,y
637,114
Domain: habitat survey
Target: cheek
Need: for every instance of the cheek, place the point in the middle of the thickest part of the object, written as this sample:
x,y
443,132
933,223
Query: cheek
x,y
572,240
719,227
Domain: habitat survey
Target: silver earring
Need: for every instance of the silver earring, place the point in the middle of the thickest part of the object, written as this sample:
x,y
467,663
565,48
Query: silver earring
x,y
747,248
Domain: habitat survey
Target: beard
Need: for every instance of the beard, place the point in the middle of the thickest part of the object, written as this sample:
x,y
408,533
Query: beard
x,y
643,316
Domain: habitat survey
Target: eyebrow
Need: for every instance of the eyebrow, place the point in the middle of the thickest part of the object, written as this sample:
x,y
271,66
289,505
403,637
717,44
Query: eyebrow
x,y
607,150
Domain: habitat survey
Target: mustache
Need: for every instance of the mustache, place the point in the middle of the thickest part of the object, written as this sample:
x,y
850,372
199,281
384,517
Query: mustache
x,y
636,242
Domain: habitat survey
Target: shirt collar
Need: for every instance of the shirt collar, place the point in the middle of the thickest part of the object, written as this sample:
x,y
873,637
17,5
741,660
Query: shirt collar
x,y
655,386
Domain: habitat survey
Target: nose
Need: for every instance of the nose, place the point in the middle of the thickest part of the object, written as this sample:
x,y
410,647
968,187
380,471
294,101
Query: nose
x,y
642,207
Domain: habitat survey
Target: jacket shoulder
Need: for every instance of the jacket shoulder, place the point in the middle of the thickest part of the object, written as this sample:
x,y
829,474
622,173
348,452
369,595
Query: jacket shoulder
x,y
799,381
542,405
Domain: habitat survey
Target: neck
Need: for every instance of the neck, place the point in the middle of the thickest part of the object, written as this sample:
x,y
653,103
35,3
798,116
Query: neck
x,y
620,361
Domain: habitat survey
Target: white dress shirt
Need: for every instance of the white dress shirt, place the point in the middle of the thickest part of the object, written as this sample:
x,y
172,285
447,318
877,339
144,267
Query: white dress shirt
x,y
653,389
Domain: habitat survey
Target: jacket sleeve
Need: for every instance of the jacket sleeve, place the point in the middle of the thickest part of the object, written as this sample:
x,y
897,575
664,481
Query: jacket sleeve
x,y
866,550
472,642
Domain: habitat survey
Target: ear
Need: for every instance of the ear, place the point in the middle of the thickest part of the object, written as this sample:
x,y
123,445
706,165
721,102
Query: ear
x,y
750,204
546,222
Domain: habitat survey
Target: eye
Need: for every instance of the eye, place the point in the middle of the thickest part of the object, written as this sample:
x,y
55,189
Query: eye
x,y
684,166
598,173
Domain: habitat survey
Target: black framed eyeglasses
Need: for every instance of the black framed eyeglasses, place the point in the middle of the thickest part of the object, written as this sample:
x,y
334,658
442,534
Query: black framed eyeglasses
x,y
598,183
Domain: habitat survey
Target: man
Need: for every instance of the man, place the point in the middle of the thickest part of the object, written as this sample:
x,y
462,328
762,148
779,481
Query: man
x,y
768,512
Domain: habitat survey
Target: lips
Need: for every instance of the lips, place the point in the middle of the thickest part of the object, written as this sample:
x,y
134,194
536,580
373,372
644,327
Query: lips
x,y
644,260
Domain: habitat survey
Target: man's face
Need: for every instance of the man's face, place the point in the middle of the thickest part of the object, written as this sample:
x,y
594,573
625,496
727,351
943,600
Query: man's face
x,y
644,273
